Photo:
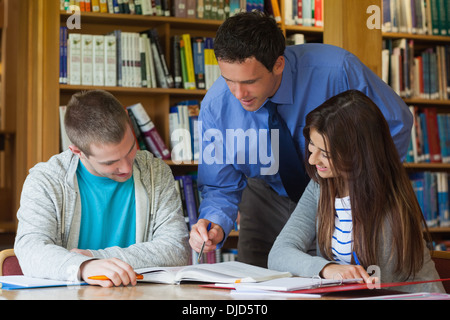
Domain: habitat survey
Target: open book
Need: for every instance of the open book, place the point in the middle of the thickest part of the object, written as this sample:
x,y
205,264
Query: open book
x,y
224,272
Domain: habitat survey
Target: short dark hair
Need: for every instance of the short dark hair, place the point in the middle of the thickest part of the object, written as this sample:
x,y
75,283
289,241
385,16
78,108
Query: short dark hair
x,y
95,116
250,34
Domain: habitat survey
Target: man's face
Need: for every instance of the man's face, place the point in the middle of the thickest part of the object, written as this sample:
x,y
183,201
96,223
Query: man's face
x,y
250,81
114,161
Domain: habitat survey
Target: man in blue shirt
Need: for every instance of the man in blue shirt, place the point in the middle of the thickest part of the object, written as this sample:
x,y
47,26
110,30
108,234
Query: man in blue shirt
x,y
239,168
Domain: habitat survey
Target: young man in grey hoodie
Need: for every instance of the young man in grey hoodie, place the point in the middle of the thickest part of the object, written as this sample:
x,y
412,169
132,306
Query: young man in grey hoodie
x,y
102,207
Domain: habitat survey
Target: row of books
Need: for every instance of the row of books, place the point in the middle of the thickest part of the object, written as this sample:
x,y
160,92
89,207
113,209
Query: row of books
x,y
125,59
430,136
216,256
432,192
425,74
196,9
142,7
431,17
303,12
183,129
194,64
186,186
130,59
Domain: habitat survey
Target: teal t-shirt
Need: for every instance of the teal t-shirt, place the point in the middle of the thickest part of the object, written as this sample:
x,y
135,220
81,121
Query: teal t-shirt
x,y
108,211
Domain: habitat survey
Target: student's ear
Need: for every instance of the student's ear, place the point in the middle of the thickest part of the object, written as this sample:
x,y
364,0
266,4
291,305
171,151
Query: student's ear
x,y
278,67
75,150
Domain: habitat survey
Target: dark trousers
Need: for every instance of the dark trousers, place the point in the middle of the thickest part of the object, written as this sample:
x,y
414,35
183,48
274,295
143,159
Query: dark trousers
x,y
263,213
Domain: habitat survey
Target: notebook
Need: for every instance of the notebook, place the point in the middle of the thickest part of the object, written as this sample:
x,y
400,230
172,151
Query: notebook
x,y
24,282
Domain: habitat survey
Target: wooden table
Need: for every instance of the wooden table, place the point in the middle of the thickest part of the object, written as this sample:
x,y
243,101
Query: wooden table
x,y
149,291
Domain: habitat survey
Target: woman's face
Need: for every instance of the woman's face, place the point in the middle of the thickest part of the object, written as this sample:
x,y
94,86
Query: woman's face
x,y
319,155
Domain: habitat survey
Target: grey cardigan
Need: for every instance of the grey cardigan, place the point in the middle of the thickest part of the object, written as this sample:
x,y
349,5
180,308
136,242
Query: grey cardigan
x,y
50,214
295,249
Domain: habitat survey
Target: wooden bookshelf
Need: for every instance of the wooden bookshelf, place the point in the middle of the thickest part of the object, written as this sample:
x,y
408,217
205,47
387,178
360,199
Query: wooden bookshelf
x,y
421,42
8,131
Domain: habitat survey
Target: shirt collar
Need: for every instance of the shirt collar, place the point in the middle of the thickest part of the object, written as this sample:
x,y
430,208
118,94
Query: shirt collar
x,y
284,94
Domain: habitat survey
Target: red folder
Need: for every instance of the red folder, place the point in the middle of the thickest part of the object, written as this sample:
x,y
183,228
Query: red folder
x,y
362,286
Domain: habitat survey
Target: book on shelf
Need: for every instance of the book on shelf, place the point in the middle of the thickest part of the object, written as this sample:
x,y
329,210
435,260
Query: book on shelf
x,y
295,39
73,59
424,75
188,67
147,129
303,12
432,192
430,136
212,70
224,272
87,51
184,137
64,139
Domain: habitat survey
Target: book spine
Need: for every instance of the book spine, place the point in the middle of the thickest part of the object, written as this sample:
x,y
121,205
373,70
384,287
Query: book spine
x,y
99,61
110,61
198,55
433,135
160,76
189,60
74,59
190,200
176,62
95,5
168,76
154,142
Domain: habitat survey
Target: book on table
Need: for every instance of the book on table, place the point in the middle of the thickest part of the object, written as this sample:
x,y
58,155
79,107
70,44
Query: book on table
x,y
223,272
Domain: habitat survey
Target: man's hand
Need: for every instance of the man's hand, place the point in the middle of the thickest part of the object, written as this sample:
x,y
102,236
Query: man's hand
x,y
199,234
117,271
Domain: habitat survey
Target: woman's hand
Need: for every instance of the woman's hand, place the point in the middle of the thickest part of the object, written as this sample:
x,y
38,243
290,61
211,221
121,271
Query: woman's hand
x,y
339,271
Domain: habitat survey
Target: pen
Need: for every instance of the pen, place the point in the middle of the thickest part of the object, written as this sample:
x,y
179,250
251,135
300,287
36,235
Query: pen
x,y
138,276
203,245
356,258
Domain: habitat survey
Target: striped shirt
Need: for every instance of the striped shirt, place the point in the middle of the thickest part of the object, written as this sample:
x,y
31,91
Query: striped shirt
x,y
342,239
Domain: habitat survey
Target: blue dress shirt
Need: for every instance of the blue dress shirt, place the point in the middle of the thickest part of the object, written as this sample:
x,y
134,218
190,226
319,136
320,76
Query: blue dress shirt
x,y
234,142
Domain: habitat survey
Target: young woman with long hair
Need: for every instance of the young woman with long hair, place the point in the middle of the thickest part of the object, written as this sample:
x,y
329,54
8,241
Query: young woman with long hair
x,y
359,208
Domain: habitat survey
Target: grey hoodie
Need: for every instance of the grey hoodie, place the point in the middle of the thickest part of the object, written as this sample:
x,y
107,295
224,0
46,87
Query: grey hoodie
x,y
50,214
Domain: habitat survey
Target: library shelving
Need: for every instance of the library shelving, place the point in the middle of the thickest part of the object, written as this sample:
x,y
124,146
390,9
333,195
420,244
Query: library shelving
x,y
425,37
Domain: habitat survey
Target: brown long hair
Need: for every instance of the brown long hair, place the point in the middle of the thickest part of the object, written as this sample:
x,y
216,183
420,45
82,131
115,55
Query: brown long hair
x,y
364,156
